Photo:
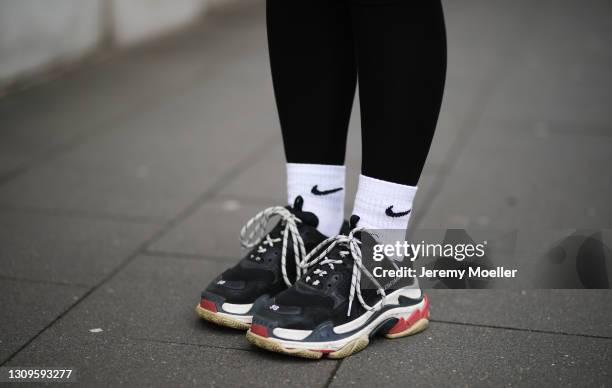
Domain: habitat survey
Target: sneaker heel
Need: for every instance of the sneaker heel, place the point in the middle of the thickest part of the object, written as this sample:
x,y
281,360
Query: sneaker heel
x,y
412,324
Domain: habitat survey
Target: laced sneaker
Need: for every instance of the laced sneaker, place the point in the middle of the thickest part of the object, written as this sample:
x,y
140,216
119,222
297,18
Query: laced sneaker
x,y
327,312
272,265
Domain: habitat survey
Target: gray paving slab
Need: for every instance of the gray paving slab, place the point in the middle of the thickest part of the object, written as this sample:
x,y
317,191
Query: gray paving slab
x,y
154,364
562,74
454,355
159,164
10,160
509,177
265,179
152,298
537,91
66,249
28,307
211,230
580,312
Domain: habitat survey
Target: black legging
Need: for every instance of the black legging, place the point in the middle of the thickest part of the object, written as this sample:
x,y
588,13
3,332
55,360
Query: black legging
x,y
397,49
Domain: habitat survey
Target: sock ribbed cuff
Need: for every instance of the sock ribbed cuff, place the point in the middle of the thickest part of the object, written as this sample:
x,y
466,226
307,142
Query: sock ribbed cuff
x,y
383,205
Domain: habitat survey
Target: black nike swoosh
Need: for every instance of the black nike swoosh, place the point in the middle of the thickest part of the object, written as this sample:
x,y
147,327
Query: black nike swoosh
x,y
391,213
315,190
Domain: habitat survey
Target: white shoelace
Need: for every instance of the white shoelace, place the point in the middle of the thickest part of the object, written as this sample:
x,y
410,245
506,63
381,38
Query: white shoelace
x,y
254,232
352,243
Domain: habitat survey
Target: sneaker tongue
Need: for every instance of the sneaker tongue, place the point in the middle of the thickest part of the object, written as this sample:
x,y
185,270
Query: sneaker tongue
x,y
353,221
298,203
306,217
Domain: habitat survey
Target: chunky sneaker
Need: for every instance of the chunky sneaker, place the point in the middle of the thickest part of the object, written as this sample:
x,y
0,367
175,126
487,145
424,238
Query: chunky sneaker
x,y
272,265
327,312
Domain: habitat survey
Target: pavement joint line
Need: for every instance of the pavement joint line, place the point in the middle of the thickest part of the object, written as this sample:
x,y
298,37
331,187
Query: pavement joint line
x,y
79,214
333,373
257,153
555,127
158,341
40,281
251,349
188,256
539,331
243,199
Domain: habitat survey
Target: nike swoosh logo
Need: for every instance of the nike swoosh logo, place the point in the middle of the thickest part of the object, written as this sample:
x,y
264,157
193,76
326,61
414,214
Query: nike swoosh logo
x,y
315,190
391,213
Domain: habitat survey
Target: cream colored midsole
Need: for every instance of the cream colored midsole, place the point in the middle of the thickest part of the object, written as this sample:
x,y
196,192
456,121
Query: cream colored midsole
x,y
236,308
241,318
398,312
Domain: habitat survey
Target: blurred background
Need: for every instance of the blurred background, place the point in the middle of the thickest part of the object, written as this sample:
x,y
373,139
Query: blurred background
x,y
137,136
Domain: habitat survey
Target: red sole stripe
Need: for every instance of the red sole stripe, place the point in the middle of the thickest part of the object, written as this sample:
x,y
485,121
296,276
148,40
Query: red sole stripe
x,y
260,330
208,305
404,324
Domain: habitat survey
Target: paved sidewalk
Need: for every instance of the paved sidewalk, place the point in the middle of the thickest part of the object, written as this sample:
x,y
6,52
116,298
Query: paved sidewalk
x,y
123,186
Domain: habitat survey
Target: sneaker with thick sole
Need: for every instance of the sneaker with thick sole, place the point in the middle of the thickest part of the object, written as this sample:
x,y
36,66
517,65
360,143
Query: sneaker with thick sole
x,y
268,268
326,313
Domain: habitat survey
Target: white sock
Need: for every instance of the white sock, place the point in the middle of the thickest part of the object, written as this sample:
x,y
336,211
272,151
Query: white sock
x,y
383,205
318,184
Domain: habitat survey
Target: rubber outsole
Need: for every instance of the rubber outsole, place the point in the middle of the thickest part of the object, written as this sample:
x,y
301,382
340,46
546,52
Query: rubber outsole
x,y
416,328
350,348
221,320
273,346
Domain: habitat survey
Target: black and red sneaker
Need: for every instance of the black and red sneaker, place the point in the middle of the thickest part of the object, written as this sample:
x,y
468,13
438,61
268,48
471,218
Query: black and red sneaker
x,y
328,313
272,265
